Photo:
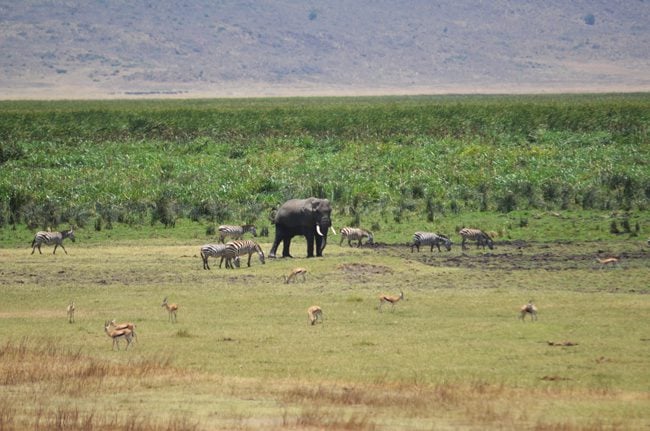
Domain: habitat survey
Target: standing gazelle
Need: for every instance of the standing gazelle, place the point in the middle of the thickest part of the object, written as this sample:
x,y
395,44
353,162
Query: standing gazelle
x,y
315,313
294,274
116,334
70,309
126,325
528,309
392,299
171,309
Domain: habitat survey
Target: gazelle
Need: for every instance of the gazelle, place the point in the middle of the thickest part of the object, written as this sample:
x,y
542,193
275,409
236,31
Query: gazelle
x,y
126,325
315,313
609,261
392,299
116,334
294,274
70,310
171,309
528,309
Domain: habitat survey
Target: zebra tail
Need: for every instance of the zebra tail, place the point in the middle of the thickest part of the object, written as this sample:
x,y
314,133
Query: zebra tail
x,y
33,242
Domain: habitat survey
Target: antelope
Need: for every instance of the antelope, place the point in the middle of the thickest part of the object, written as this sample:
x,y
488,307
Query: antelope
x,y
126,325
116,334
171,309
315,313
528,309
392,299
294,274
70,309
610,261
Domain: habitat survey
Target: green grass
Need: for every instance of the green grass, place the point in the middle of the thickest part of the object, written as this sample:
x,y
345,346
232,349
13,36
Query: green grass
x,y
134,162
242,355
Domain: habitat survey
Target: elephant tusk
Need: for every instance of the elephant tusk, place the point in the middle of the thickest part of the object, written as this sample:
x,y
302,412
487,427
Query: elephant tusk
x,y
318,230
333,231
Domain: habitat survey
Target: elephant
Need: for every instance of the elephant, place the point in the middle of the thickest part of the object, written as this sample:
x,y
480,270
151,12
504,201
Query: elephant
x,y
309,217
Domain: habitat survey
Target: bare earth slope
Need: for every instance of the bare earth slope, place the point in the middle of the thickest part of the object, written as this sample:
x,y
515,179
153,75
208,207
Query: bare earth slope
x,y
95,48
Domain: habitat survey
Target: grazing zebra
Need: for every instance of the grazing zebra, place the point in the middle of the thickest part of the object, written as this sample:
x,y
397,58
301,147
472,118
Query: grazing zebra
x,y
55,238
355,234
235,232
430,238
481,238
240,247
212,250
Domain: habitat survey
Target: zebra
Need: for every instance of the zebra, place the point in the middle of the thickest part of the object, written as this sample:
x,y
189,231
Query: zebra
x,y
212,250
356,234
48,238
235,232
430,238
237,248
481,238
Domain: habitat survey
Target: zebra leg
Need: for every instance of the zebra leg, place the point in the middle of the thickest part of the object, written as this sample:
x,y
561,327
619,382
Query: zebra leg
x,y
55,246
249,258
66,251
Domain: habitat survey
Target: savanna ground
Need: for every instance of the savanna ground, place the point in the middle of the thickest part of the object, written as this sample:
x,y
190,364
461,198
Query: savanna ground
x,y
452,355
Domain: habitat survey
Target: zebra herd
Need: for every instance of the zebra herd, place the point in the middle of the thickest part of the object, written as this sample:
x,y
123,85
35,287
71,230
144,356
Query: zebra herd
x,y
436,240
232,251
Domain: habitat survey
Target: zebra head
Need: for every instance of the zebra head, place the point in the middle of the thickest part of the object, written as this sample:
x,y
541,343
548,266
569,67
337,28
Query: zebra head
x,y
371,238
69,234
447,242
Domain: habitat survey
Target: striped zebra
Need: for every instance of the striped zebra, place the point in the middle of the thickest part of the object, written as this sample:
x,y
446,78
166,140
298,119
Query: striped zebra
x,y
355,234
212,250
235,232
430,238
481,238
240,247
48,238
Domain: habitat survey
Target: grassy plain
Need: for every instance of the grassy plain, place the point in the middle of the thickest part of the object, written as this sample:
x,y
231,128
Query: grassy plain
x,y
453,355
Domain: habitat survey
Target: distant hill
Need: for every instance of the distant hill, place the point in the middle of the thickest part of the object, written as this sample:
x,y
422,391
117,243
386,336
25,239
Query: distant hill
x,y
116,48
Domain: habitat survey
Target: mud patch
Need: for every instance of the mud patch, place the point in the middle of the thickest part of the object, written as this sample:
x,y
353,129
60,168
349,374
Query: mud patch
x,y
521,255
364,269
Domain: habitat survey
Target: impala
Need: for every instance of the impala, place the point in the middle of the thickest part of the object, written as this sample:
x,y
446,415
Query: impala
x,y
392,299
116,334
528,309
70,309
609,261
315,313
294,274
171,309
125,325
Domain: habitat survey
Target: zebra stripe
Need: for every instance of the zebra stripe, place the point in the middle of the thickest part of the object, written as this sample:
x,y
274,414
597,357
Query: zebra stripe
x,y
481,238
355,234
48,238
430,238
237,248
212,250
235,232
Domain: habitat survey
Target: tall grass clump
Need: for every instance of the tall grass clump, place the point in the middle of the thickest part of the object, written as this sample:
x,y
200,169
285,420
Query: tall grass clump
x,y
235,160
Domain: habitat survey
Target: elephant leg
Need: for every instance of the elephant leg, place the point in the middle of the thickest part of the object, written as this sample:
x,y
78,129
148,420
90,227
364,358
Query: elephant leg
x,y
320,245
310,243
285,247
276,242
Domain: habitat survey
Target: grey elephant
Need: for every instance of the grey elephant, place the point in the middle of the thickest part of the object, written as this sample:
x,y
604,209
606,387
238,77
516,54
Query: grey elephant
x,y
309,217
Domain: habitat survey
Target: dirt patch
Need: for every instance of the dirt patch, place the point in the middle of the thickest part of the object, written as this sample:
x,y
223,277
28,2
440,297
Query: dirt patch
x,y
364,269
521,255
